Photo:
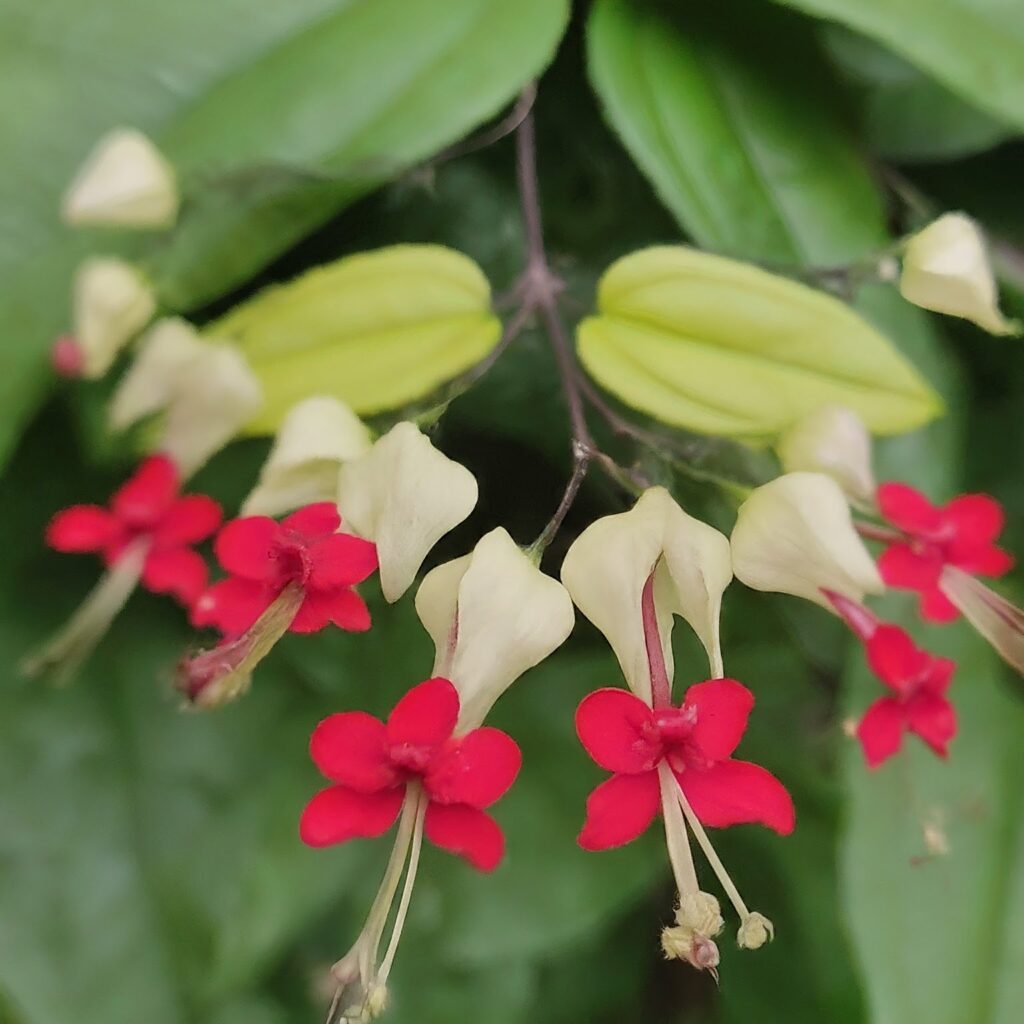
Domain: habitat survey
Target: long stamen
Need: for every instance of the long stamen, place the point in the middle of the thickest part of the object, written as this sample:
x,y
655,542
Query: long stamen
x,y
65,653
410,881
661,685
679,853
709,851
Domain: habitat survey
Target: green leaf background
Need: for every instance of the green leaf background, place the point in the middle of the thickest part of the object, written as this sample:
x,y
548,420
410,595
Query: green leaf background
x,y
149,864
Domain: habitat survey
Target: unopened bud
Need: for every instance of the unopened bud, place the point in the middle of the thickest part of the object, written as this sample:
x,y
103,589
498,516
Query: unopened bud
x,y
795,536
831,440
66,357
125,182
112,303
946,269
755,931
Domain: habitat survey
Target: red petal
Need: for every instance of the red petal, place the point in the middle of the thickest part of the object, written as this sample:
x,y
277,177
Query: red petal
x,y
349,612
619,810
936,607
245,548
82,528
894,657
476,769
975,518
180,572
907,508
736,793
466,832
617,729
981,561
881,730
426,715
933,718
337,814
903,567
314,522
940,675
341,560
351,748
343,607
147,496
723,706
188,521
232,605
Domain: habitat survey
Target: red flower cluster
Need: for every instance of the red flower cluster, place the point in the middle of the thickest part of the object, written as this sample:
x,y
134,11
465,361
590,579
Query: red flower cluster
x,y
263,556
371,764
917,704
961,533
149,509
628,737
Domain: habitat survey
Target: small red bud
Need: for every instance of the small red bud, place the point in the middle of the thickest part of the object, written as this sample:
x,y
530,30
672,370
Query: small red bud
x,y
66,356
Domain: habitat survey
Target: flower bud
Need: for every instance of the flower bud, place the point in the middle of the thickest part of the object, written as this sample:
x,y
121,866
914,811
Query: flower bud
x,y
831,440
795,536
313,441
404,495
608,565
205,390
492,615
125,182
946,269
112,303
755,931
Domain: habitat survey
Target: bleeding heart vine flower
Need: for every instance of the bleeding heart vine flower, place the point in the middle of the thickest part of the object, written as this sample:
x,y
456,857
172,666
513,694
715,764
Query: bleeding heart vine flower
x,y
630,574
917,682
492,615
960,534
144,536
296,575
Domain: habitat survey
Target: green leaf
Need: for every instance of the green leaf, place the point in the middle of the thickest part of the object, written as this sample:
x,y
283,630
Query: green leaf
x,y
377,330
280,114
721,347
975,47
905,114
734,134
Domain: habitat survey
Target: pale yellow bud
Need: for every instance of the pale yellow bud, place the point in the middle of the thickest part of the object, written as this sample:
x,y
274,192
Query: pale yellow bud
x,y
314,439
112,303
404,495
831,440
946,269
125,182
795,536
755,931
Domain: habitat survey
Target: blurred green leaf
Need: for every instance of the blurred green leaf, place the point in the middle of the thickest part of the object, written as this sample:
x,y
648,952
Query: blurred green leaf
x,y
722,347
278,114
906,115
378,330
976,47
734,133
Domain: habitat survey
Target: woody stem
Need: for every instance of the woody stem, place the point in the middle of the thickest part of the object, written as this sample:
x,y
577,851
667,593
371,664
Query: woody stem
x,y
661,685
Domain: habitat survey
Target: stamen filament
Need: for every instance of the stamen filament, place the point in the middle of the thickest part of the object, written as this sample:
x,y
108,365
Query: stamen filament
x,y
66,651
410,881
678,842
713,859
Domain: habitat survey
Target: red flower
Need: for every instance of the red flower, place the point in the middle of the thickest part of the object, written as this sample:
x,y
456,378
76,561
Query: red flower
x,y
147,508
626,736
960,533
263,556
918,703
371,763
